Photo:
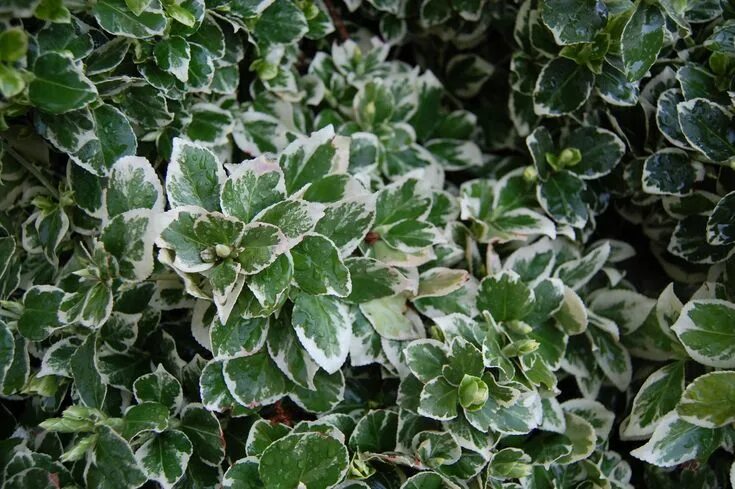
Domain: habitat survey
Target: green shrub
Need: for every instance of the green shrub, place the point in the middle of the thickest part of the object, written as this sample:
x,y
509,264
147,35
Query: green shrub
x,y
382,244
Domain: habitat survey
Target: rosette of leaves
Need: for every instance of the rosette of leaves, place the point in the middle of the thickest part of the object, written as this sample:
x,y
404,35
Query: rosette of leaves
x,y
491,374
395,116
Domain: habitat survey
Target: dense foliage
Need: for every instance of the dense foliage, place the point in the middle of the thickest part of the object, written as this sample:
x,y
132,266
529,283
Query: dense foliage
x,y
371,244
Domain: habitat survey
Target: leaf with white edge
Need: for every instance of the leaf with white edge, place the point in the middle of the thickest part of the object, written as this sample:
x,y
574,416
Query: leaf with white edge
x,y
112,464
318,268
576,273
290,357
144,417
262,434
133,184
254,380
594,413
306,160
282,22
324,327
372,280
562,87
115,17
346,222
455,154
329,391
392,319
642,39
561,196
260,246
721,223
426,358
533,262
238,336
164,457
611,356
251,187
439,400
706,328
505,297
204,432
574,21
402,200
440,282
675,441
310,460
435,448
293,217
172,55
40,312
658,396
159,386
270,284
87,379
129,237
601,151
708,128
582,436
689,241
194,176
670,172
709,401
243,474
59,85
627,308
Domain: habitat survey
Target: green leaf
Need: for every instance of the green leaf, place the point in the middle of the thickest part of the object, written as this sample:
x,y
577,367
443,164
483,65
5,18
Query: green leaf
x,y
254,380
307,160
312,460
129,238
13,44
669,172
164,457
11,81
112,464
438,400
261,245
708,400
576,273
87,379
561,196
706,329
562,87
372,279
435,448
658,396
675,441
346,222
708,127
293,217
375,432
40,312
721,223
574,21
59,85
115,17
159,386
238,336
173,55
505,297
318,268
251,187
242,474
601,151
611,356
194,176
203,431
329,391
426,358
281,23
147,416
324,327
137,6
262,434
642,39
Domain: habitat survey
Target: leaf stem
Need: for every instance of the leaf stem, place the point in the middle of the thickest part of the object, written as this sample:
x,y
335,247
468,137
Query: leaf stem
x,y
33,170
337,19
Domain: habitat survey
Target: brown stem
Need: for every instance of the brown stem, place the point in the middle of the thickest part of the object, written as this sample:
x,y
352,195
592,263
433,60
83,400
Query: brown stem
x,y
337,20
